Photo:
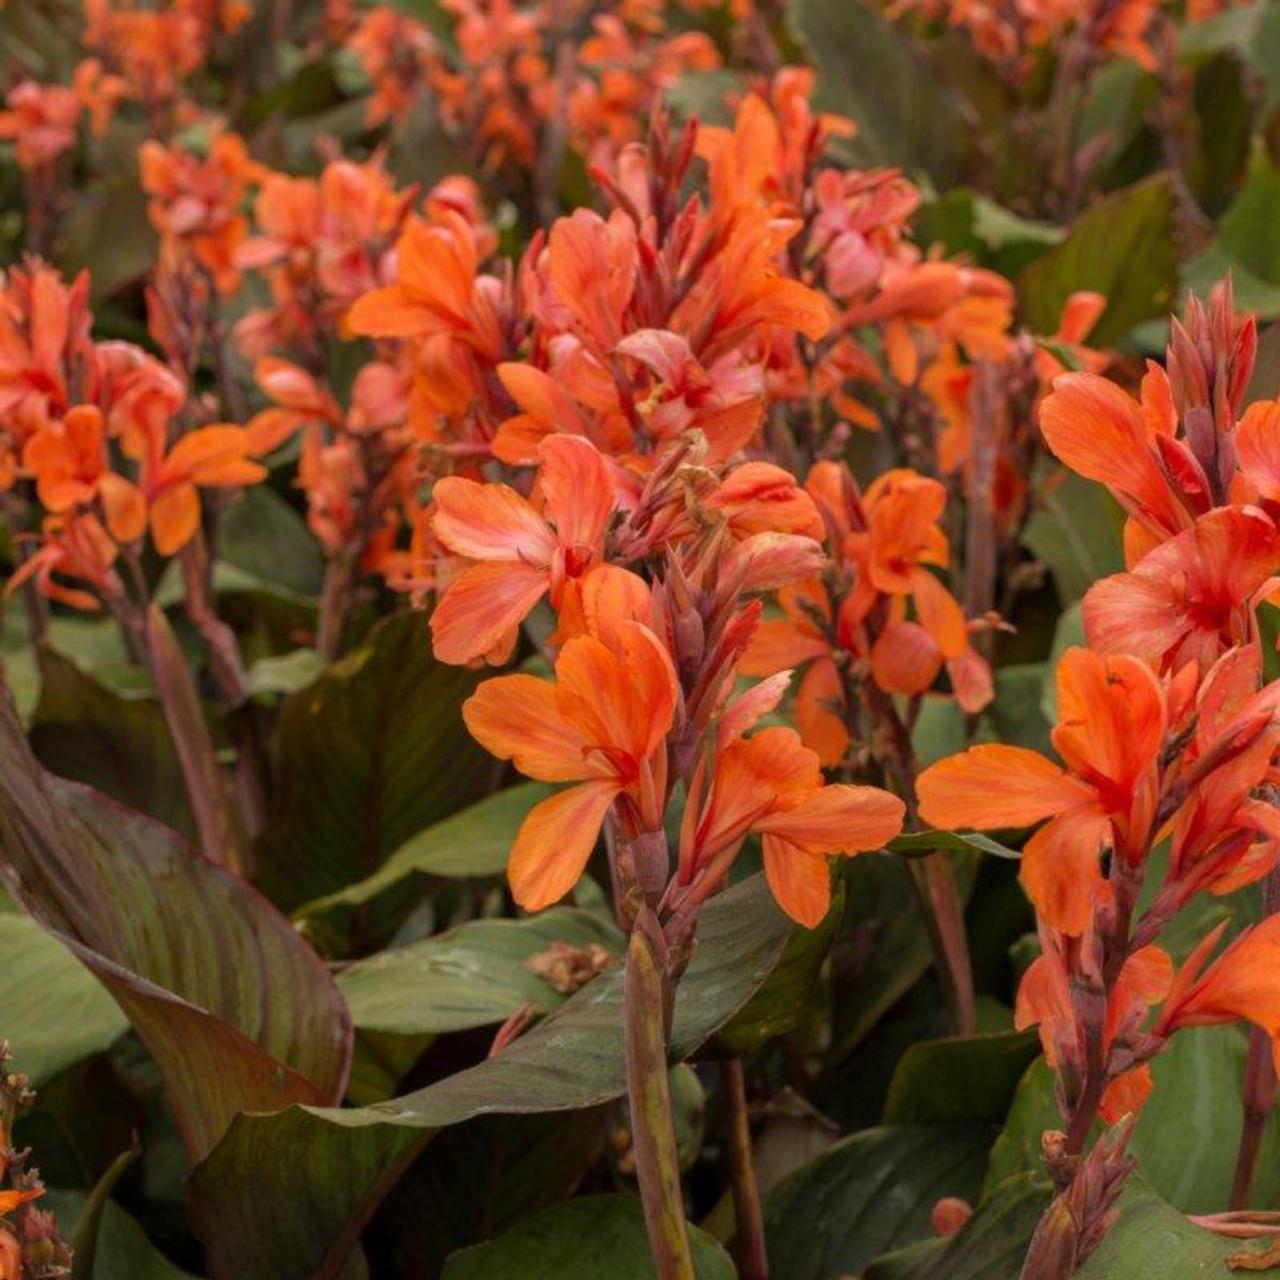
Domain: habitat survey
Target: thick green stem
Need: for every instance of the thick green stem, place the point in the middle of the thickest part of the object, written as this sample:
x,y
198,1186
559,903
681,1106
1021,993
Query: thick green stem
x,y
215,823
649,1093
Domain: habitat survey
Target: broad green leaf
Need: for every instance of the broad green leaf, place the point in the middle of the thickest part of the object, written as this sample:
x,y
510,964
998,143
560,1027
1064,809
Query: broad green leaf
x,y
1076,531
961,1078
1122,247
922,843
1187,1133
965,221
582,1239
474,842
869,1193
84,1241
235,1009
367,756
781,1003
283,1195
872,73
53,1011
115,741
121,1249
1151,1238
472,976
285,673
990,1246
261,534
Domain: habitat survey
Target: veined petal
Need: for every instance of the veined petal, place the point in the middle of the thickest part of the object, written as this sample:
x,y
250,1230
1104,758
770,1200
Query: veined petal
x,y
799,880
390,313
819,700
1061,868
555,842
578,487
905,658
518,718
779,645
839,819
483,603
992,785
490,522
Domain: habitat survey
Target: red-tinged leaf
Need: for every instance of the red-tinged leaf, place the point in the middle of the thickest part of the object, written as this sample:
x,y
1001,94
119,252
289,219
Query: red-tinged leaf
x,y
237,1011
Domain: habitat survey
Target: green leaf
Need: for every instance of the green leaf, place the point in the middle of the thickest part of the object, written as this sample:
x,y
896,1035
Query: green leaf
x,y
261,534
283,1195
921,844
1122,247
990,1246
1151,1238
869,1193
582,1239
367,756
472,976
781,1003
1187,1133
121,1249
84,1243
961,1078
872,73
474,842
1076,531
964,221
53,1012
117,742
286,673
236,1010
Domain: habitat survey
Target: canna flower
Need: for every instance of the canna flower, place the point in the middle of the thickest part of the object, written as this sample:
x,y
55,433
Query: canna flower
x,y
215,457
74,545
1045,1000
601,724
41,122
1189,598
1110,732
70,465
770,784
516,553
1239,985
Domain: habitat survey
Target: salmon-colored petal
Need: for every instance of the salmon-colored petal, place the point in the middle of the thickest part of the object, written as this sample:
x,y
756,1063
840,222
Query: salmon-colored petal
x,y
905,659
779,645
1081,311
1097,429
1126,613
612,595
555,842
518,718
799,880
971,680
578,487
490,522
1126,1094
939,613
992,785
390,313
748,709
124,507
839,819
1257,442
484,603
175,517
1061,868
820,700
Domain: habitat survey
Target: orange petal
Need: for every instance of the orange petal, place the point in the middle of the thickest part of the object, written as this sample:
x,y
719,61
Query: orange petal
x,y
905,659
1126,1094
390,313
839,819
799,880
1061,871
484,603
490,522
820,699
124,506
779,645
175,517
971,680
518,718
578,488
555,842
992,785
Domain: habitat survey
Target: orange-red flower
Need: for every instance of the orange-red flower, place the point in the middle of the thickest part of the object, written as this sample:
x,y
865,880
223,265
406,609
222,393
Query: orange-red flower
x,y
602,724
1110,731
516,553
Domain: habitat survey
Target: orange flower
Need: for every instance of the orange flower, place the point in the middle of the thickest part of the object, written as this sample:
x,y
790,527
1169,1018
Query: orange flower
x,y
69,460
518,555
11,1200
213,457
299,400
601,724
1190,597
772,784
1239,985
1110,732
75,546
436,291
41,122
1044,998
